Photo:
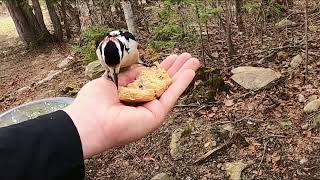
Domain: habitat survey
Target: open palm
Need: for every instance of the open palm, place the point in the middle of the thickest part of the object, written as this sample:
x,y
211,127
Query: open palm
x,y
113,123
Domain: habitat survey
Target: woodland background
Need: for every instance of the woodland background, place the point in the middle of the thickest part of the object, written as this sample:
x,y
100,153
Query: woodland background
x,y
219,129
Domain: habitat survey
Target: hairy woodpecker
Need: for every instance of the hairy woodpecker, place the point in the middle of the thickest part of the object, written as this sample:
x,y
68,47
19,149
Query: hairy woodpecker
x,y
117,50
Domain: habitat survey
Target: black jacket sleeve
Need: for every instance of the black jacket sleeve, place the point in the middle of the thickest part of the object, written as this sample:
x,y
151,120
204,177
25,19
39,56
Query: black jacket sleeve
x,y
45,148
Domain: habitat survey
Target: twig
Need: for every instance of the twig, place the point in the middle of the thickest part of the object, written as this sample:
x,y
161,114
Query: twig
x,y
235,137
276,135
263,154
306,41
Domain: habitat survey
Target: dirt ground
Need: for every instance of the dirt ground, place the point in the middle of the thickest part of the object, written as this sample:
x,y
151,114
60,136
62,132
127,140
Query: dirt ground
x,y
281,142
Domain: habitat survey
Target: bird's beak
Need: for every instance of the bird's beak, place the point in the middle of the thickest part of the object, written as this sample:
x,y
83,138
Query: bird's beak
x,y
115,78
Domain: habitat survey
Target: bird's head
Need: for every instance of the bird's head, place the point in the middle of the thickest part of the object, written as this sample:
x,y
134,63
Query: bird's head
x,y
111,50
110,54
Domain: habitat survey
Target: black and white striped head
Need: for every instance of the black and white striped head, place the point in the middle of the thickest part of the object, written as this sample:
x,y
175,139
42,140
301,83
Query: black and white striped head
x,y
111,50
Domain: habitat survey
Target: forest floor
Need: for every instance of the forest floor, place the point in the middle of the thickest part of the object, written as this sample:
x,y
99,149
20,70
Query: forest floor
x,y
280,140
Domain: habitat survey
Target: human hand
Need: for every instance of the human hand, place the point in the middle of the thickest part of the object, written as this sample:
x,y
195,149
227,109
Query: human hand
x,y
104,122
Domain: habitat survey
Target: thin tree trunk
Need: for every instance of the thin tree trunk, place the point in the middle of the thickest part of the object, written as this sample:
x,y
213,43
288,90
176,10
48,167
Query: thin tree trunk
x,y
58,33
128,14
201,37
231,50
39,15
23,28
239,15
26,23
65,20
306,40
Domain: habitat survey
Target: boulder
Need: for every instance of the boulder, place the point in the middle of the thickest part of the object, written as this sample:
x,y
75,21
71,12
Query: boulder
x,y
312,106
254,78
296,61
94,70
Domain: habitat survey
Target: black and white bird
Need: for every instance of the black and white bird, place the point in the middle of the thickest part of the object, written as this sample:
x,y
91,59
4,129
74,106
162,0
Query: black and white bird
x,y
117,50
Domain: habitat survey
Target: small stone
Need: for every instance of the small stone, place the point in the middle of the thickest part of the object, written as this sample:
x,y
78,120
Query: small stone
x,y
312,98
303,161
315,121
296,61
64,63
207,144
312,106
234,169
24,89
282,55
228,127
214,143
175,144
219,166
305,126
162,176
301,98
94,70
285,23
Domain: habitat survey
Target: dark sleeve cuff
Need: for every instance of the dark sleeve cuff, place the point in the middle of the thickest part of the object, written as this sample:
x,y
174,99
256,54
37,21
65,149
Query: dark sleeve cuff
x,y
48,147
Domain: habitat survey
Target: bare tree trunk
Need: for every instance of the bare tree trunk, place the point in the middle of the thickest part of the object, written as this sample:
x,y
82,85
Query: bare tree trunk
x,y
58,32
201,37
26,23
239,15
64,18
128,14
39,15
306,40
231,50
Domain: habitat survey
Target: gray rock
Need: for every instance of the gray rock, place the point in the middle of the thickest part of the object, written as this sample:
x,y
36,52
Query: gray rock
x,y
24,89
94,70
285,23
175,144
303,161
305,126
312,106
50,76
234,169
254,78
315,121
162,176
296,61
312,98
301,98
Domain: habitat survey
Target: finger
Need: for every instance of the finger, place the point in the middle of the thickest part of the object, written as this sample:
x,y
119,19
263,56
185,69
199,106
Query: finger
x,y
167,63
171,95
193,64
129,76
157,110
178,63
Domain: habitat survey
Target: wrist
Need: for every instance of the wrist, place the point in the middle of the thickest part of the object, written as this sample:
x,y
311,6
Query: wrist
x,y
92,138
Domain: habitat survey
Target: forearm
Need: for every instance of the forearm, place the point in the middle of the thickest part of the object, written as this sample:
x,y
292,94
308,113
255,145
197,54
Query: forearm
x,y
47,147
